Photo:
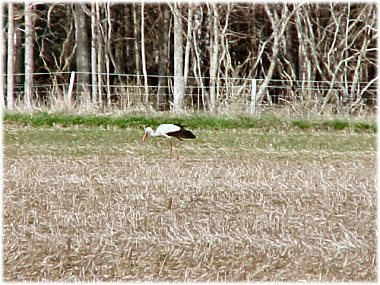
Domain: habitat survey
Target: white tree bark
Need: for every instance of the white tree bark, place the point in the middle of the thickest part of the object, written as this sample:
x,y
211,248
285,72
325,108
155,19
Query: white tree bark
x,y
304,62
197,65
94,81
29,62
188,41
214,52
10,59
178,59
107,39
99,67
143,61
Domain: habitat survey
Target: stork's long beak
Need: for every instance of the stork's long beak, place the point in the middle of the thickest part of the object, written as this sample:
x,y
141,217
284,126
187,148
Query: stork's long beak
x,y
144,137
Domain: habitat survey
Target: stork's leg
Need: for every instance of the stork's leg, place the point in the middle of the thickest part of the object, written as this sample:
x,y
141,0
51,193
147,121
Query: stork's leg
x,y
179,146
170,148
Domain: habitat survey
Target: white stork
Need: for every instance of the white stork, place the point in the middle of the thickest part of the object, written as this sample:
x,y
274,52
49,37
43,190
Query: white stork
x,y
169,131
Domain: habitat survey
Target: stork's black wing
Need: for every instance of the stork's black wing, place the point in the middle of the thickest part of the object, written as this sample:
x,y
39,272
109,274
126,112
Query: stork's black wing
x,y
182,134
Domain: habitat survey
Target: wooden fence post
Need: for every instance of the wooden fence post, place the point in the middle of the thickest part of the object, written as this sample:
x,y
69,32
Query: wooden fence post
x,y
253,97
70,91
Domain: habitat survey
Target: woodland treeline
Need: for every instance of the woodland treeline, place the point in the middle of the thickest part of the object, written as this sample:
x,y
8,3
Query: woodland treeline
x,y
166,54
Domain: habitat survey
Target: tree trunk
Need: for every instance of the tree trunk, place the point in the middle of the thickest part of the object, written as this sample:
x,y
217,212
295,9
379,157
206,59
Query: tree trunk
x,y
100,61
111,36
278,28
143,61
198,64
188,41
107,53
94,33
82,56
121,38
29,62
136,34
10,60
163,57
19,52
302,55
214,50
273,60
129,43
178,59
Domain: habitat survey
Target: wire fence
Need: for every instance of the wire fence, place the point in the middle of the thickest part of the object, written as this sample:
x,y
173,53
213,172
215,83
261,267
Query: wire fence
x,y
232,93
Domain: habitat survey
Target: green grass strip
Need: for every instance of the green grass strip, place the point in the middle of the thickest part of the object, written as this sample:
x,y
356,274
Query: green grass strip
x,y
191,121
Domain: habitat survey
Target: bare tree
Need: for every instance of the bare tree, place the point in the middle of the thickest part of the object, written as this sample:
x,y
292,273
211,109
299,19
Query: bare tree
x,y
107,32
94,32
305,64
214,53
10,59
110,58
143,61
100,54
136,34
278,24
82,56
188,41
29,62
178,59
197,57
163,55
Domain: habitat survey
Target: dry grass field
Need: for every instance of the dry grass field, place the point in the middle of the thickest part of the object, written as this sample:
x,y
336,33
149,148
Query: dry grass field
x,y
85,204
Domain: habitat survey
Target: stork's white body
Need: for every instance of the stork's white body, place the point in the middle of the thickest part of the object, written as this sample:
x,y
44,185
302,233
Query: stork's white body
x,y
163,130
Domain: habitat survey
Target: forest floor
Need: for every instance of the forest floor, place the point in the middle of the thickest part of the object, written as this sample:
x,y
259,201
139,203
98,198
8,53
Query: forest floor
x,y
89,203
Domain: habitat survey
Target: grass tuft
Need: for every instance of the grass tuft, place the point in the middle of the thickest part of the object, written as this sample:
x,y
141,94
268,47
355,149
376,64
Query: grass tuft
x,y
337,124
365,126
302,124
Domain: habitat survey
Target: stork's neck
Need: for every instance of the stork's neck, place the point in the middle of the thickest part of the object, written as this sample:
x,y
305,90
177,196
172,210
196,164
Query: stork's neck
x,y
153,133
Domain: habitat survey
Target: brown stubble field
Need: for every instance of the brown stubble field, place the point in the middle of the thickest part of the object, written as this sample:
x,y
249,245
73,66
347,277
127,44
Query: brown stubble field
x,y
240,205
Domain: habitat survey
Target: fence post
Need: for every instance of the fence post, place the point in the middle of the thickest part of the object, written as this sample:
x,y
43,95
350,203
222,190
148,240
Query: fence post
x,y
71,87
253,96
